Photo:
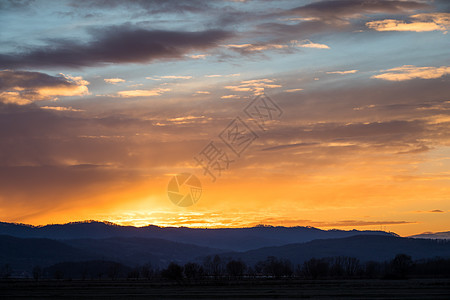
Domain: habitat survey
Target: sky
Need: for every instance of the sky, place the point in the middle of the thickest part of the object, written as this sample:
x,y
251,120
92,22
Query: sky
x,y
331,114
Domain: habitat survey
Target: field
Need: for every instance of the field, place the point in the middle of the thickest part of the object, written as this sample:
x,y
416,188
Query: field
x,y
264,289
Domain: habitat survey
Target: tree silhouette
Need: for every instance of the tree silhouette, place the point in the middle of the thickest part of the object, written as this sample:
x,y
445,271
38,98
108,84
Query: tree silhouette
x,y
37,273
6,271
113,271
193,271
401,265
315,268
274,267
147,271
236,268
213,266
173,272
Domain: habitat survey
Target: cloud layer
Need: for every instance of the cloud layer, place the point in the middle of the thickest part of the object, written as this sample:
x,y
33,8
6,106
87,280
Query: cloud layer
x,y
115,44
22,87
363,86
409,72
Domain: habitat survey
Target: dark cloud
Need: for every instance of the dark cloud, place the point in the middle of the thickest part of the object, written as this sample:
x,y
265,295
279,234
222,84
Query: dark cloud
x,y
430,211
372,133
152,6
327,17
322,127
289,146
23,87
15,4
30,80
32,136
351,8
298,30
116,44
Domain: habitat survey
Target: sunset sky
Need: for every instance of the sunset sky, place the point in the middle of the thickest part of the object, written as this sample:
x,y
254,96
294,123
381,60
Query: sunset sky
x,y
102,102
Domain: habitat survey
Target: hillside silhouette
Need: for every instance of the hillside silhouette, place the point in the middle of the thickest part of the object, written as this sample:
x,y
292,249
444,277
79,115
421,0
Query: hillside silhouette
x,y
233,239
24,247
362,247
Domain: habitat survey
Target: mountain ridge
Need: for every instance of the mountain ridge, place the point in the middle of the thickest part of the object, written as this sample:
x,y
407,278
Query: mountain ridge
x,y
232,239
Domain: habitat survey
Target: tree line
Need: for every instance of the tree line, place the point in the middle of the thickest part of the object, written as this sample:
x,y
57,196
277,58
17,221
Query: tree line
x,y
219,268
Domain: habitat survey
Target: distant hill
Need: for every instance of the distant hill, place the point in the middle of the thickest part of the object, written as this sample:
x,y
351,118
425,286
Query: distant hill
x,y
363,247
233,239
22,254
430,235
134,250
27,253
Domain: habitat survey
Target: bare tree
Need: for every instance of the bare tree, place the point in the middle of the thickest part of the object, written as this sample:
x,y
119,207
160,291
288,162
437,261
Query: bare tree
x,y
236,268
173,272
193,271
401,265
37,273
6,271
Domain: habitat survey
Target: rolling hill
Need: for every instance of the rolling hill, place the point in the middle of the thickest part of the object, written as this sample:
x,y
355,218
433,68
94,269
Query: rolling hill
x,y
363,247
25,253
232,239
445,235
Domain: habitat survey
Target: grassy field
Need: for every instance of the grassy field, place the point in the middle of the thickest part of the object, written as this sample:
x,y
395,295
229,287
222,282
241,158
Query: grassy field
x,y
266,289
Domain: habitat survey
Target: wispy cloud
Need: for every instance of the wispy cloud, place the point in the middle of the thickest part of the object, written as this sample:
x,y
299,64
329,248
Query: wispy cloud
x,y
142,93
230,97
408,72
430,211
175,77
158,78
114,80
364,107
226,75
256,86
184,120
60,108
336,11
309,44
202,93
198,56
293,90
259,47
343,72
288,146
419,23
256,47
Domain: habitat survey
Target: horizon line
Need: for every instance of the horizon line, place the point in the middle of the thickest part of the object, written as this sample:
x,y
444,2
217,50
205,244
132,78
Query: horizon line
x,y
193,227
